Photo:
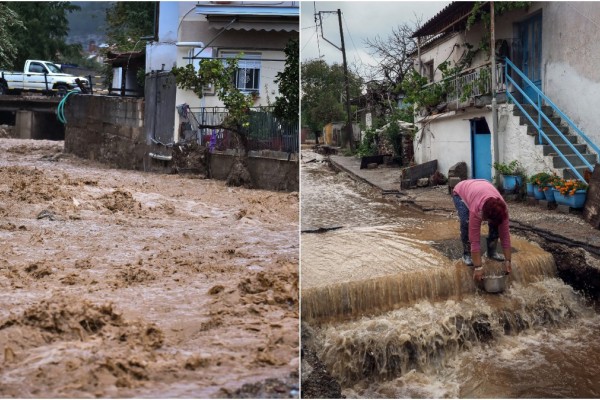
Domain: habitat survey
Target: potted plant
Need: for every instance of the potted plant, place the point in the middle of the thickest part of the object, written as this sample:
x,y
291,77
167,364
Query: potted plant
x,y
570,192
542,182
512,174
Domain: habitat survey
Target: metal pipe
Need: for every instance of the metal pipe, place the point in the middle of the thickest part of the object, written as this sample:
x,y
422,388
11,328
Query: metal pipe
x,y
494,88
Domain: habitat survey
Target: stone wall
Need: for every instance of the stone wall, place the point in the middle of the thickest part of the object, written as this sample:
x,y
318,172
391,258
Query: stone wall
x,y
107,129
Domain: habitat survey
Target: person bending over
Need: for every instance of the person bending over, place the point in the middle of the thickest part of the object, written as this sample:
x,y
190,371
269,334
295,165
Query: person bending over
x,y
477,200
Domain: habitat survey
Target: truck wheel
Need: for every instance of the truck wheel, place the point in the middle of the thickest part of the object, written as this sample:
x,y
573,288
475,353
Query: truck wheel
x,y
62,90
3,89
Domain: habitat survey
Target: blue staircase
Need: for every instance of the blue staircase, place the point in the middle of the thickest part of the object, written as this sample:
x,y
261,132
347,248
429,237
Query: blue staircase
x,y
572,151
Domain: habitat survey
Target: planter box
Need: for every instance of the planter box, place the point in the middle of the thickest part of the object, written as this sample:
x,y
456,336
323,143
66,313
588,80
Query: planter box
x,y
510,182
537,193
549,193
530,189
575,201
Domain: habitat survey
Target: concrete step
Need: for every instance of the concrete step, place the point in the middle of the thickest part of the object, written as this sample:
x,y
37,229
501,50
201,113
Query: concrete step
x,y
557,140
564,149
567,174
558,162
555,120
531,130
531,111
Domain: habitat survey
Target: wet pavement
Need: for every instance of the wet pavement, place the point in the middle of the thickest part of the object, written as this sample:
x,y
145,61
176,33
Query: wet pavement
x,y
556,225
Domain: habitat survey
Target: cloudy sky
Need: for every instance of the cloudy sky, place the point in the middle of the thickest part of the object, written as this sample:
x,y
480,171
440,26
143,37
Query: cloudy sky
x,y
361,20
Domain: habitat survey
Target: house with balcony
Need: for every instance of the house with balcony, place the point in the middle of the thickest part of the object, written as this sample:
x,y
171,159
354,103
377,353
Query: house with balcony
x,y
257,32
537,106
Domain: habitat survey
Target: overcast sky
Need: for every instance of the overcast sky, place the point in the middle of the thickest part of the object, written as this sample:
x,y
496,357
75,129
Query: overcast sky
x,y
361,20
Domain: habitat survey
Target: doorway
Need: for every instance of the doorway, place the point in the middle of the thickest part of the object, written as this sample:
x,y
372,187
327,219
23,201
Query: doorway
x,y
481,149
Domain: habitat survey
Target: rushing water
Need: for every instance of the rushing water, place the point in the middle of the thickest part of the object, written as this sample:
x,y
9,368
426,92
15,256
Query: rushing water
x,y
394,313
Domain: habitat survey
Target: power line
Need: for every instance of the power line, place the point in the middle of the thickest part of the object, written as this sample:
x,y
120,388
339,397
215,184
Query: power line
x,y
351,39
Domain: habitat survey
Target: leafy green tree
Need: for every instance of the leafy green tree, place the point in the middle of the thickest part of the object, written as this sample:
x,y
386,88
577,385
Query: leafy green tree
x,y
46,27
322,93
127,22
218,73
9,25
286,106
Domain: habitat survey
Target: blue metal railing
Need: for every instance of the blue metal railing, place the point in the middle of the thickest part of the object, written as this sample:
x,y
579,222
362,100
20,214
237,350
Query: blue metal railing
x,y
537,105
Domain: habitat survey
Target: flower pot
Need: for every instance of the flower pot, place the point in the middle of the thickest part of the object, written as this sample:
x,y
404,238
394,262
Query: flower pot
x,y
575,201
510,182
537,193
530,189
549,193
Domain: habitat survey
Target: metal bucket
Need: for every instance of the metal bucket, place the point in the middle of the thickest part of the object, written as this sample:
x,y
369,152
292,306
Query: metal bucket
x,y
494,283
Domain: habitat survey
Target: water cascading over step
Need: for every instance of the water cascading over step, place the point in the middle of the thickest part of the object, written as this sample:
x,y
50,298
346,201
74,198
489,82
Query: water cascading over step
x,y
427,337
374,270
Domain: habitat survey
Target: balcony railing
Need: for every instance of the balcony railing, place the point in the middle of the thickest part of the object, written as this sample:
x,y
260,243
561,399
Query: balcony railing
x,y
472,83
265,131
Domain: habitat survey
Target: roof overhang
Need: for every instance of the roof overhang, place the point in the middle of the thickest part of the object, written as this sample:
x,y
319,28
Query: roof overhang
x,y
261,10
257,16
452,18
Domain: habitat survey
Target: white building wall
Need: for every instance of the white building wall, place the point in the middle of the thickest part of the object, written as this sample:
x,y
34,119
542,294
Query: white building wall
x,y
570,59
179,22
447,138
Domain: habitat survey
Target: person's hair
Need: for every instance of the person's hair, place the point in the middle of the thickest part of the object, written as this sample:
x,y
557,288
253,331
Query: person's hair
x,y
494,211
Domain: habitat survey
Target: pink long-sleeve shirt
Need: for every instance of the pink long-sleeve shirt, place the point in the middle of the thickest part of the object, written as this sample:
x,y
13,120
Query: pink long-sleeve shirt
x,y
474,192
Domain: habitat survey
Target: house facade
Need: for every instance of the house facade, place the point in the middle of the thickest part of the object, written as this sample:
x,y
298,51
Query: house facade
x,y
257,32
545,57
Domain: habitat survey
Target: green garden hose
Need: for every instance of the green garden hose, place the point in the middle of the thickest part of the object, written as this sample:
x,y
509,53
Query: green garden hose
x,y
60,112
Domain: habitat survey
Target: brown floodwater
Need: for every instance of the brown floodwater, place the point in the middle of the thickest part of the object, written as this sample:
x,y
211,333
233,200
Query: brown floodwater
x,y
119,283
395,314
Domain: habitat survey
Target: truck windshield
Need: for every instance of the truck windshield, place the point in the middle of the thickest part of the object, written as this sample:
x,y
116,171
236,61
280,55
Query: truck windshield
x,y
54,68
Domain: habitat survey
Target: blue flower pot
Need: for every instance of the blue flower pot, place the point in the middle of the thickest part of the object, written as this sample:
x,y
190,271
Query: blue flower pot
x,y
537,193
575,201
510,182
530,189
549,194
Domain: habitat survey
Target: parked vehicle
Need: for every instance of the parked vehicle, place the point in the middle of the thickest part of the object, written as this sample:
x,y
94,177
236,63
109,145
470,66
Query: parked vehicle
x,y
42,76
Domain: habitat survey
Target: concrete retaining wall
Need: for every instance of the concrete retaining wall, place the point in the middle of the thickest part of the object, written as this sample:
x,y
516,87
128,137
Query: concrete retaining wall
x,y
107,129
111,130
266,173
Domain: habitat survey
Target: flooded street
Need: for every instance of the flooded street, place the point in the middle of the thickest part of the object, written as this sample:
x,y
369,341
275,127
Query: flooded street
x,y
119,283
392,311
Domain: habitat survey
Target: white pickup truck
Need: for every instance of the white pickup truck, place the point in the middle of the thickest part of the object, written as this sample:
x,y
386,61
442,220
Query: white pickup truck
x,y
43,76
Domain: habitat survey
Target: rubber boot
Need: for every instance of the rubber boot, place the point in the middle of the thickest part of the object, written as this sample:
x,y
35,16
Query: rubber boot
x,y
491,250
467,254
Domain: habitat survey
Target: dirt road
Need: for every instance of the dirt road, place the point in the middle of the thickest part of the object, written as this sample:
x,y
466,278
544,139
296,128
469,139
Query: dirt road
x,y
120,283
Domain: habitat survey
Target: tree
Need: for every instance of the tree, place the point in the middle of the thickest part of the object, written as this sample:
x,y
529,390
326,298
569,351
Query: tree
x,y
9,25
286,106
46,27
217,73
127,22
395,55
322,93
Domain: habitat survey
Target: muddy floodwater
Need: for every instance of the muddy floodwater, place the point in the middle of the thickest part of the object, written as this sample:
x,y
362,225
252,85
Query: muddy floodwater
x,y
120,283
392,312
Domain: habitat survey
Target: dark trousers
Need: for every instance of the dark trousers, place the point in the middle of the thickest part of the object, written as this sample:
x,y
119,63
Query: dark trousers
x,y
463,215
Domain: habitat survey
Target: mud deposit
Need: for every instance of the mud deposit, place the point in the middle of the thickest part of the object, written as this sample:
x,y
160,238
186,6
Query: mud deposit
x,y
128,284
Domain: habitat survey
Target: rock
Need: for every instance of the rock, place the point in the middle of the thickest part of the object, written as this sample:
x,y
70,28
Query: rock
x,y
423,182
458,170
372,166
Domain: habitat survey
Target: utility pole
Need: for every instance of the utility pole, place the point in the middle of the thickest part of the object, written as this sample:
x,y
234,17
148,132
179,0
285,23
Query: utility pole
x,y
494,88
349,131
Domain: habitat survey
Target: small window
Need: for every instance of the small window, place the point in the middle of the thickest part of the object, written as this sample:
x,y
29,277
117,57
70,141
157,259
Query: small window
x,y
247,76
36,68
428,70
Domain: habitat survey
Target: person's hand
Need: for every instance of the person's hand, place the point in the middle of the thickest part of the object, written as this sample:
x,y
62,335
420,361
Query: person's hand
x,y
478,274
507,266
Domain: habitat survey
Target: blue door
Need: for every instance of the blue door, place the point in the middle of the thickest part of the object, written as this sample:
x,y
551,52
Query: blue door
x,y
530,34
481,149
